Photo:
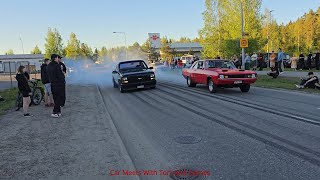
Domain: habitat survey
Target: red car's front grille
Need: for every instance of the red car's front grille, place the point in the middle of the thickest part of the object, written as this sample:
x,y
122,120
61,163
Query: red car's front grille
x,y
237,76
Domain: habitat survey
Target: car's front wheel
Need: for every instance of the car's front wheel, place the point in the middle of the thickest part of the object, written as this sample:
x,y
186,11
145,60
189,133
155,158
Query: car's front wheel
x,y
211,86
245,88
190,83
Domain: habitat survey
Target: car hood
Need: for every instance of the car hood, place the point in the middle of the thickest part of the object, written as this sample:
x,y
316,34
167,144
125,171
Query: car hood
x,y
145,71
231,71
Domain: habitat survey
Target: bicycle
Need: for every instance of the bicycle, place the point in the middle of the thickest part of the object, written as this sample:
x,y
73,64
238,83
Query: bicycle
x,y
36,96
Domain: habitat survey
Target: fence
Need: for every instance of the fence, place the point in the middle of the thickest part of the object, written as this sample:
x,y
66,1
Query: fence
x,y
8,70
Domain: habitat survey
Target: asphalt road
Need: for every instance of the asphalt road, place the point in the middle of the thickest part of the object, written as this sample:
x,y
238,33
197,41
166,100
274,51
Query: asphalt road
x,y
263,134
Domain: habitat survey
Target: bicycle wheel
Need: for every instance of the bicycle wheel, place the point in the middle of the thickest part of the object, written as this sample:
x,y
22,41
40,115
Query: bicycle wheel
x,y
37,96
19,102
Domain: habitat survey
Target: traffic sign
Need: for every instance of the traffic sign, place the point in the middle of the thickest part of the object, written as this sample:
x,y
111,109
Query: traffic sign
x,y
244,43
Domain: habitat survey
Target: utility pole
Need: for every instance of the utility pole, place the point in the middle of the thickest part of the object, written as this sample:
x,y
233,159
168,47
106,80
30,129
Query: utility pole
x,y
269,35
242,33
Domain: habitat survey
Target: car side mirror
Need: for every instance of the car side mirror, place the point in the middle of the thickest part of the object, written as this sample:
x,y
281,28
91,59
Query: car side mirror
x,y
114,72
150,67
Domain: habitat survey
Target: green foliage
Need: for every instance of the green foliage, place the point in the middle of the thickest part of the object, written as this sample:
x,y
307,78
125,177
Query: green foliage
x,y
9,52
165,49
73,48
36,50
53,43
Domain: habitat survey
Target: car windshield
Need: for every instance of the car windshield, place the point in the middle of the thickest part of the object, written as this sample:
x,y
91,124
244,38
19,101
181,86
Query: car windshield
x,y
132,66
220,64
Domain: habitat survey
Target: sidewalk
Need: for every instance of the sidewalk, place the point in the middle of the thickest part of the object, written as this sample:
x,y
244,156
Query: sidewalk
x,y
82,143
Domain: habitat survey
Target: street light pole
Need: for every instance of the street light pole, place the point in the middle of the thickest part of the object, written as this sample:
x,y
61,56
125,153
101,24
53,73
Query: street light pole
x,y
269,35
21,44
242,33
125,41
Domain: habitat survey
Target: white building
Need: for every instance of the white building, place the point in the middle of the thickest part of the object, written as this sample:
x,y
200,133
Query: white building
x,y
10,63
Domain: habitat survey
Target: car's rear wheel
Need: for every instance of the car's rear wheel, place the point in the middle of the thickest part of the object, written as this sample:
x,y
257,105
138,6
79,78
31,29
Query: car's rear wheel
x,y
190,83
211,86
245,88
114,83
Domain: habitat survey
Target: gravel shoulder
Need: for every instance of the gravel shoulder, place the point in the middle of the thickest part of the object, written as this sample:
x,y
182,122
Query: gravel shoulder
x,y
83,143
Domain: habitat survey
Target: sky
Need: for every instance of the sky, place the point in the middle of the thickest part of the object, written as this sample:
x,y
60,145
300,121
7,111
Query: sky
x,y
93,21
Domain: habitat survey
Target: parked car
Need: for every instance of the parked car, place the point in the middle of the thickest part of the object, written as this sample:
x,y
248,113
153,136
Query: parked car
x,y
218,73
129,75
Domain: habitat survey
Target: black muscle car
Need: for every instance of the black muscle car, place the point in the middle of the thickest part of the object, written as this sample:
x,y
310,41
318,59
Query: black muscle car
x,y
134,74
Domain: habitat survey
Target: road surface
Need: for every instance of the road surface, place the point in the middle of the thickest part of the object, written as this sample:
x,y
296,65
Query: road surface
x,y
263,134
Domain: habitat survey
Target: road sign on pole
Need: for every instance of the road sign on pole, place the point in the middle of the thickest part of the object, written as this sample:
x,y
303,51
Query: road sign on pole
x,y
244,43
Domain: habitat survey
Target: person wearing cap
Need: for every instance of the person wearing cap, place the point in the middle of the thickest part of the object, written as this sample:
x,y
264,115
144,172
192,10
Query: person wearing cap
x,y
311,82
58,84
48,99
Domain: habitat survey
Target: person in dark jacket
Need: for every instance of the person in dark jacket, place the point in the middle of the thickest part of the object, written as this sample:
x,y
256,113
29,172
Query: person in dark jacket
x,y
24,89
58,84
48,99
64,70
317,60
309,61
301,61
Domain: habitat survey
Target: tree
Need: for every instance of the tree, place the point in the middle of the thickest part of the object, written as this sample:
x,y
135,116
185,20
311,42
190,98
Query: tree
x,y
165,49
36,50
53,43
9,52
73,47
86,51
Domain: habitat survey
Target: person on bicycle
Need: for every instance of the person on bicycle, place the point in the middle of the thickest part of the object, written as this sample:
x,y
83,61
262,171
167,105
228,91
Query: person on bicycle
x,y
58,84
24,89
48,99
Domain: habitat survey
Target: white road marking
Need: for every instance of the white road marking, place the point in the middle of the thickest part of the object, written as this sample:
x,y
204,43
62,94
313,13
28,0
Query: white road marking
x,y
318,108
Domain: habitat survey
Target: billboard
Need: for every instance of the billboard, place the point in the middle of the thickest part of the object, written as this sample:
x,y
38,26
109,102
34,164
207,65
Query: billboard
x,y
154,40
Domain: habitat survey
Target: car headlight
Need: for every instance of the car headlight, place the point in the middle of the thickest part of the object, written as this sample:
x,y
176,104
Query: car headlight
x,y
152,75
253,75
221,76
124,80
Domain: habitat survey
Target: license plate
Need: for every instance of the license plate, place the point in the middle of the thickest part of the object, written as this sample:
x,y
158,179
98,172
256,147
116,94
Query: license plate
x,y
237,82
141,86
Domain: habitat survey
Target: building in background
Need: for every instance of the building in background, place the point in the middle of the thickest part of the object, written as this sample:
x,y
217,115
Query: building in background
x,y
10,63
192,48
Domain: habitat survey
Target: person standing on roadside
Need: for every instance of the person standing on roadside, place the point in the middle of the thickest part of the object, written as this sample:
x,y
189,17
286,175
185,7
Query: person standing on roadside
x,y
58,84
24,89
64,70
272,60
317,60
48,99
301,61
280,61
309,59
254,59
293,62
260,61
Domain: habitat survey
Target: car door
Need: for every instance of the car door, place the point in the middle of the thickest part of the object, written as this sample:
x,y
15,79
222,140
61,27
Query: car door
x,y
201,74
198,70
116,74
192,72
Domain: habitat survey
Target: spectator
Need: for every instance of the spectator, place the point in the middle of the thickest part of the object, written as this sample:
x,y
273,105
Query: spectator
x,y
317,60
236,61
280,60
254,59
48,99
293,62
311,82
24,89
301,61
58,83
309,59
272,59
273,72
260,61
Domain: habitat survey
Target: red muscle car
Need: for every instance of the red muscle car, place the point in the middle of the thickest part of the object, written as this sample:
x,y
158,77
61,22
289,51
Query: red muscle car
x,y
218,73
